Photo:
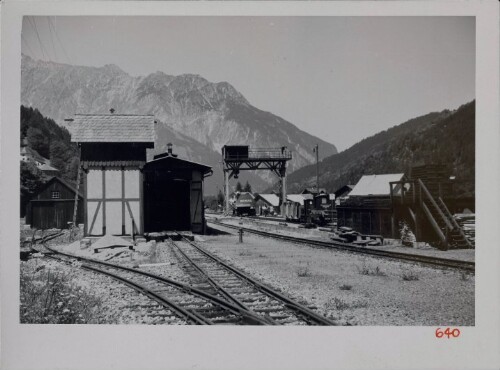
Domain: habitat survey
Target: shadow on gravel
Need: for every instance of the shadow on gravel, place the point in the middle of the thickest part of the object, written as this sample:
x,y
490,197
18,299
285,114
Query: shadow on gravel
x,y
211,231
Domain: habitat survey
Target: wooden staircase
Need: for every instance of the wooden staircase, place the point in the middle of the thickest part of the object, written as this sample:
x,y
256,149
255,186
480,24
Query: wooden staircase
x,y
450,234
430,219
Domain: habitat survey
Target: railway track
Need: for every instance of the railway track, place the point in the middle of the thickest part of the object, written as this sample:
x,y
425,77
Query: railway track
x,y
407,257
192,305
210,273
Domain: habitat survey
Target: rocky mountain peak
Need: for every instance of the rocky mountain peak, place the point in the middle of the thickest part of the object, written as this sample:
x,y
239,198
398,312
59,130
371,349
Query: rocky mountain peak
x,y
196,114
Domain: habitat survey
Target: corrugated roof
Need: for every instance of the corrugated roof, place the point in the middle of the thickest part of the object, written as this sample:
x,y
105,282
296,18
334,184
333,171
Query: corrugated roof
x,y
272,199
112,128
375,184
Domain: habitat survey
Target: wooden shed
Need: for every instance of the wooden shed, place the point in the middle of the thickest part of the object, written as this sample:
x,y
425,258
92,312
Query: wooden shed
x,y
113,154
173,194
52,206
368,208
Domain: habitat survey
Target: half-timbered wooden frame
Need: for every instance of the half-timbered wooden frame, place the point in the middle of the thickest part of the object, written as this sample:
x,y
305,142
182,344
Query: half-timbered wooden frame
x,y
113,155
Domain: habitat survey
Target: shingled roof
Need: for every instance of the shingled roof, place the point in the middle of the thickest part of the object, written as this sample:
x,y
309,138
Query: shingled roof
x,y
112,128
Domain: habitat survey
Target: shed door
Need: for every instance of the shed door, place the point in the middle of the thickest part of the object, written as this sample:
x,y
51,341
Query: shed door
x,y
196,206
43,215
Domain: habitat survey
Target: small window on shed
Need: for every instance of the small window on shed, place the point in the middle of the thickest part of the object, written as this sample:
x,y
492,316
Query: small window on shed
x,y
323,200
55,195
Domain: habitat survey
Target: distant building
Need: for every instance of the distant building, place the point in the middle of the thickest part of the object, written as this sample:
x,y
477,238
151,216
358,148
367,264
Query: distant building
x,y
267,204
31,155
313,191
49,170
296,205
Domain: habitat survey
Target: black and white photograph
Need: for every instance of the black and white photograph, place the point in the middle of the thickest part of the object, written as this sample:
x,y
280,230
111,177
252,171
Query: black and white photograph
x,y
249,170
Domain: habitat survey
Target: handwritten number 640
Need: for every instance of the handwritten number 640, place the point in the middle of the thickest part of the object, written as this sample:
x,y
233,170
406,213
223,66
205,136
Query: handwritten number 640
x,y
449,333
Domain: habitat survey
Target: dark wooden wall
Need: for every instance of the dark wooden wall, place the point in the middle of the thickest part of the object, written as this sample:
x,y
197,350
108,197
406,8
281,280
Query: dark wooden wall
x,y
366,220
114,152
43,212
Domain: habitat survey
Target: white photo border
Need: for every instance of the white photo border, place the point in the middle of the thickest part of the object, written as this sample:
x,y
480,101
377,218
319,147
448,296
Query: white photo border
x,y
162,347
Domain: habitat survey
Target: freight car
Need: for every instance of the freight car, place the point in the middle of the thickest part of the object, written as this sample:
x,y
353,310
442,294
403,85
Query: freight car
x,y
244,204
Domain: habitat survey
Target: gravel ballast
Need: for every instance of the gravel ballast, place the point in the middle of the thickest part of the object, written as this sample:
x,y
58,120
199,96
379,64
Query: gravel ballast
x,y
119,304
354,289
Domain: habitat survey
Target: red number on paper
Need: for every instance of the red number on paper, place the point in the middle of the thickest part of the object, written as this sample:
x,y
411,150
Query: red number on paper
x,y
453,333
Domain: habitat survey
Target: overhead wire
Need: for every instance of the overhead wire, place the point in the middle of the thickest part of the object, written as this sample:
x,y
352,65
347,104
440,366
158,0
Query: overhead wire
x,y
51,37
60,42
28,45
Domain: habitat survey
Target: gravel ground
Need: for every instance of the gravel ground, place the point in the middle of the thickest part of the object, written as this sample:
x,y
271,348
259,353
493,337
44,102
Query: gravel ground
x,y
348,288
119,303
353,289
392,244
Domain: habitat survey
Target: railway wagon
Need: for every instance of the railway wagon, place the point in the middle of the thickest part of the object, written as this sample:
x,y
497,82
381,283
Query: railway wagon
x,y
244,204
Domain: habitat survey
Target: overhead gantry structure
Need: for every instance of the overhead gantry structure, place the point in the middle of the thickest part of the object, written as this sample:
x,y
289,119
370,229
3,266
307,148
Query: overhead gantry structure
x,y
236,158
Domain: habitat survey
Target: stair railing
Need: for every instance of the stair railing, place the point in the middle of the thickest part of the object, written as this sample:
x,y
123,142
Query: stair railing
x,y
455,223
434,224
433,202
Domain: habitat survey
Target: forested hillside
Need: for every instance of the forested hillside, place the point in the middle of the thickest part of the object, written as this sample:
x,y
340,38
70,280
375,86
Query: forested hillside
x,y
50,141
444,138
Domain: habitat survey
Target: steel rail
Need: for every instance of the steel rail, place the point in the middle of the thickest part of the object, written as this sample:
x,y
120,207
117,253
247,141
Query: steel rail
x,y
214,284
427,260
263,288
199,320
252,318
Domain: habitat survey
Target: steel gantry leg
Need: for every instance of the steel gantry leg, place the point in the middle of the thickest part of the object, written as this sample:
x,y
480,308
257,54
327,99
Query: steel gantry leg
x,y
283,192
226,191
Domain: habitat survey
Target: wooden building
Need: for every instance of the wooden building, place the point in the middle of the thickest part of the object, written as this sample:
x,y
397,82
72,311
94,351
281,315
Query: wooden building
x,y
53,205
267,204
368,208
113,155
173,194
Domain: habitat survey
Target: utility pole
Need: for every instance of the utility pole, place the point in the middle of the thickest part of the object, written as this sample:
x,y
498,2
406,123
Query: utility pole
x,y
316,150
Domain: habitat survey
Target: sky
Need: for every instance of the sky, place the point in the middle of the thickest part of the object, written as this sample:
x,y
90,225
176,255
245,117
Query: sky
x,y
339,78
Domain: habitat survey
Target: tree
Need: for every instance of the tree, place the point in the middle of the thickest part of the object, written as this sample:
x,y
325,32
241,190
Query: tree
x,y
59,156
247,187
239,187
51,141
38,141
31,178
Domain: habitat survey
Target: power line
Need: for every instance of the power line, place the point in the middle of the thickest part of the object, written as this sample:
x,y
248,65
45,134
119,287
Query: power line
x,y
39,39
51,38
60,43
27,45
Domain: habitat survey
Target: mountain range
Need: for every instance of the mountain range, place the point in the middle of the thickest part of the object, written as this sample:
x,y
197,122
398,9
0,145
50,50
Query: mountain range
x,y
197,116
446,137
